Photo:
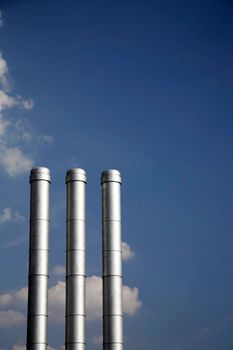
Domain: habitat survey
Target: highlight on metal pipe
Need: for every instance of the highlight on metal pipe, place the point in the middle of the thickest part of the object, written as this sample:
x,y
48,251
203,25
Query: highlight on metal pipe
x,y
112,260
75,259
37,338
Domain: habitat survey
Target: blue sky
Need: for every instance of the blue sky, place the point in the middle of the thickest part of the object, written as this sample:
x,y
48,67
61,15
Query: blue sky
x,y
144,87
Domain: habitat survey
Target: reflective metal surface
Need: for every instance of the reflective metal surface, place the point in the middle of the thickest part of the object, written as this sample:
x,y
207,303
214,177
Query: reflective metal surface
x,y
112,261
37,337
75,259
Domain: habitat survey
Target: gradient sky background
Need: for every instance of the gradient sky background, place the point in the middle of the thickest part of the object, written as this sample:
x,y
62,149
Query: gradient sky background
x,y
144,87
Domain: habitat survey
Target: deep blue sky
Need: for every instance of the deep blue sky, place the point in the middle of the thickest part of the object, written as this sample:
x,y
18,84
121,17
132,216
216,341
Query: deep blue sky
x,y
145,87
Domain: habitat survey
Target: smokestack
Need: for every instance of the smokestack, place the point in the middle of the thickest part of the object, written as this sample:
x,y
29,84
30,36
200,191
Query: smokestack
x,y
75,259
112,270
37,338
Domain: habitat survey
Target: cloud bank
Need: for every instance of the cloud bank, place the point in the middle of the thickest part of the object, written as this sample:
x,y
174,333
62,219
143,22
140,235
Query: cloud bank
x,y
17,301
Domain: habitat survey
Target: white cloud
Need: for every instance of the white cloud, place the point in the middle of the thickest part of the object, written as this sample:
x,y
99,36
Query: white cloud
x,y
5,215
8,214
94,297
59,270
21,295
57,302
5,299
6,101
9,318
14,299
127,252
18,299
14,160
131,302
3,72
18,217
27,104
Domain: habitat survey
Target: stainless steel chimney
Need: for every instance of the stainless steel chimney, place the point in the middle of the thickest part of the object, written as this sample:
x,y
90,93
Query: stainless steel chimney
x,y
37,338
112,269
75,259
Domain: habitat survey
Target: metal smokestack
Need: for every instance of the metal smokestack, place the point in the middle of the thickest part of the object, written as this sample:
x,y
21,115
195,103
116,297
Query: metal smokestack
x,y
75,259
37,338
112,269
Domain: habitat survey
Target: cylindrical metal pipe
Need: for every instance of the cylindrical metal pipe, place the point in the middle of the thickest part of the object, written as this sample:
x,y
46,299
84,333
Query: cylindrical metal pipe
x,y
112,264
75,259
37,338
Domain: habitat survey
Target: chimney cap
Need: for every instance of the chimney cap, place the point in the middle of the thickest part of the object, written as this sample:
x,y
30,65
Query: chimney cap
x,y
40,173
76,174
111,175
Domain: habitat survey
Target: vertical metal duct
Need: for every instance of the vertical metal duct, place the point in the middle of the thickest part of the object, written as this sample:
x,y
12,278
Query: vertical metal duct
x,y
37,338
112,269
75,259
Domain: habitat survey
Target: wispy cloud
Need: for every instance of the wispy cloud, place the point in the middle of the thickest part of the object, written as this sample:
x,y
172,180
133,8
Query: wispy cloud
x,y
5,215
7,101
46,138
127,252
12,159
13,243
8,214
15,134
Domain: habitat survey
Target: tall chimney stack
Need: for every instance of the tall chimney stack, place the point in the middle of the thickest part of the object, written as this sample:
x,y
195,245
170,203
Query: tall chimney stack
x,y
75,259
37,338
112,269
